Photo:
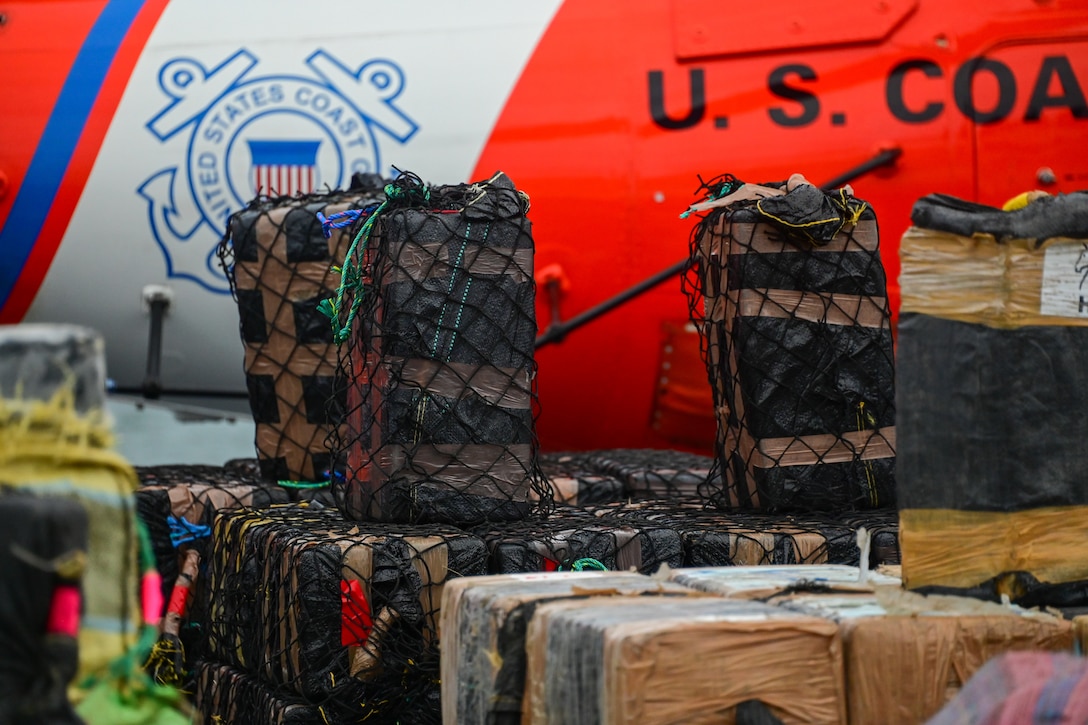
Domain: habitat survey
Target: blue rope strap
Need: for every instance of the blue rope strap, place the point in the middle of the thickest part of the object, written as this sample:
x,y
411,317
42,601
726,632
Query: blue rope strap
x,y
182,532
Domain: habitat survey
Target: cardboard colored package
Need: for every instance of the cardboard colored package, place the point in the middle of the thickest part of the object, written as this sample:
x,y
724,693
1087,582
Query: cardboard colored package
x,y
665,660
906,655
484,621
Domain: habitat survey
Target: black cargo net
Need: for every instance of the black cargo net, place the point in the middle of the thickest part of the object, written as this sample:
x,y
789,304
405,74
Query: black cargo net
x,y
788,291
740,538
278,255
338,616
178,505
223,694
436,315
619,474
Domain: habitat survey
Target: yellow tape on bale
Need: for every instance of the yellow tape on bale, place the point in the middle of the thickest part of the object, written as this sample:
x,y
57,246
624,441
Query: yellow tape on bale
x,y
1003,285
49,448
962,549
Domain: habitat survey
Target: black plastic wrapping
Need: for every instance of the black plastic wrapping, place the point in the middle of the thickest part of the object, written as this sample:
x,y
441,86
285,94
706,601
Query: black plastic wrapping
x,y
797,339
571,534
1063,215
290,583
991,420
439,364
226,695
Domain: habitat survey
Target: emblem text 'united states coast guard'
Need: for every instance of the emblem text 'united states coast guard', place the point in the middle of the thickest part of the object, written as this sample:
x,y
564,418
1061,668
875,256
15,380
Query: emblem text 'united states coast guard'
x,y
237,136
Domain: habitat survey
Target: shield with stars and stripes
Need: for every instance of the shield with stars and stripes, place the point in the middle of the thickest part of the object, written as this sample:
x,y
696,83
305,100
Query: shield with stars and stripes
x,y
284,167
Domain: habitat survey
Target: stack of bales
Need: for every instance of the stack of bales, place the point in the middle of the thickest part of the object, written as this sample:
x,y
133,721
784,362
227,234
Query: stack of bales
x,y
439,322
790,296
818,644
331,612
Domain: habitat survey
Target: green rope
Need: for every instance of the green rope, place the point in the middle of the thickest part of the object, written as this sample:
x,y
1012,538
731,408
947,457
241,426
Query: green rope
x,y
406,190
587,563
303,484
351,278
717,191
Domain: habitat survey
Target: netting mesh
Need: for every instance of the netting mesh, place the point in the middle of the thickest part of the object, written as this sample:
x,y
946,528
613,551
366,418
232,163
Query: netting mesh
x,y
789,293
341,614
740,538
571,536
592,477
226,695
178,505
278,255
437,313
575,481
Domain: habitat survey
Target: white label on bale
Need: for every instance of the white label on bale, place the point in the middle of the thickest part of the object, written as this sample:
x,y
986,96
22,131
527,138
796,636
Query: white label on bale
x,y
1065,280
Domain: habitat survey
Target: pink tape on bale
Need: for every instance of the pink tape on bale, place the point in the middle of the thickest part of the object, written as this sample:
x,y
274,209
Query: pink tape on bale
x,y
64,611
151,597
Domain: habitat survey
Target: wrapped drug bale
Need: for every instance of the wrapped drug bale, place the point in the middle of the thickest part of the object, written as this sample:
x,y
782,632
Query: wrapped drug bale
x,y
665,660
43,555
342,613
790,294
1022,687
992,344
572,535
764,582
575,481
226,695
906,655
712,538
278,254
438,313
484,621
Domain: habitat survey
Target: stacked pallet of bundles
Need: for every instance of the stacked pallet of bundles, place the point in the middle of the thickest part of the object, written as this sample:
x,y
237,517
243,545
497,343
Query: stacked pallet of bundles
x,y
571,535
278,255
43,553
440,361
790,296
992,398
575,481
226,695
484,622
712,538
338,614
666,660
906,655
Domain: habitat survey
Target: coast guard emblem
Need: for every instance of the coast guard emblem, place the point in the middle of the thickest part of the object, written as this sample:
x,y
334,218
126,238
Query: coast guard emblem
x,y
243,135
